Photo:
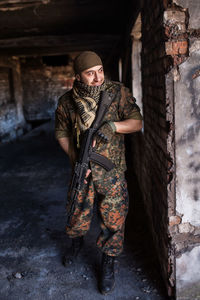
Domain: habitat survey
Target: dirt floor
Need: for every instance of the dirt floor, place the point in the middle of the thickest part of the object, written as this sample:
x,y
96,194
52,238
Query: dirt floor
x,y
34,173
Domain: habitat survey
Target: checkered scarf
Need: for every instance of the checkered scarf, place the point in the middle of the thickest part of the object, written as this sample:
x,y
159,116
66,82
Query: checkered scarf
x,y
86,99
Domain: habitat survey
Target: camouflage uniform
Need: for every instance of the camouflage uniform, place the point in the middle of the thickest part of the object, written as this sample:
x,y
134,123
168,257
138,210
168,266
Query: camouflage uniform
x,y
110,187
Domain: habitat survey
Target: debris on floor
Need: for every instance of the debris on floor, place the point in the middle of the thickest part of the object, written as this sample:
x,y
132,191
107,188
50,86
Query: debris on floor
x,y
33,183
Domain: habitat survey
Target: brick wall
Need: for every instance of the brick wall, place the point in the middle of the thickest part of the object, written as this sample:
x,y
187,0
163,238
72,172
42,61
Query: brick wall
x,y
42,85
29,92
6,85
153,161
12,123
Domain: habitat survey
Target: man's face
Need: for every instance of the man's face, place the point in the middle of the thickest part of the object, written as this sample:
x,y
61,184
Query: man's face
x,y
93,76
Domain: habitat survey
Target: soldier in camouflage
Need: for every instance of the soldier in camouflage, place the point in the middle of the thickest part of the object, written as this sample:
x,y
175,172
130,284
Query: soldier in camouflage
x,y
74,114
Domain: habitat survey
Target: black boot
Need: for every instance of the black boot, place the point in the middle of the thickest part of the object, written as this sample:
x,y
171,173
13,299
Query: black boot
x,y
107,282
73,251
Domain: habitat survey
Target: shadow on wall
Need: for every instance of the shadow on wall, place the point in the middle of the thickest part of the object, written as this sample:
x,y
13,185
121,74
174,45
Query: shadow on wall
x,y
138,236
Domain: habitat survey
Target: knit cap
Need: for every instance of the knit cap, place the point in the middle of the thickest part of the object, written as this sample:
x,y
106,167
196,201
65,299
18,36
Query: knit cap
x,y
86,60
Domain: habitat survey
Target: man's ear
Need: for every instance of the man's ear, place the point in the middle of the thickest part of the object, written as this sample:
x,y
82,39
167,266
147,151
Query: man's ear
x,y
78,77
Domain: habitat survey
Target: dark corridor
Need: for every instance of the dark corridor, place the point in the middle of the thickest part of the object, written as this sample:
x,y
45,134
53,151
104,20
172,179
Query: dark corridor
x,y
34,174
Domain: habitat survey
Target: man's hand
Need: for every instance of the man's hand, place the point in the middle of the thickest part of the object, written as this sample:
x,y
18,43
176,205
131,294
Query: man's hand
x,y
105,132
87,175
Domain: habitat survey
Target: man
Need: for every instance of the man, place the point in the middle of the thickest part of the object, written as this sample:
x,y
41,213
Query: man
x,y
75,114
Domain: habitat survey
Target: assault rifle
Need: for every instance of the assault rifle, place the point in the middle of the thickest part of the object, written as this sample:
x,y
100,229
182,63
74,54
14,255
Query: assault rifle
x,y
87,154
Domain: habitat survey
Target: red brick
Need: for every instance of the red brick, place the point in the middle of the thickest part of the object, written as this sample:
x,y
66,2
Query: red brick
x,y
175,48
174,220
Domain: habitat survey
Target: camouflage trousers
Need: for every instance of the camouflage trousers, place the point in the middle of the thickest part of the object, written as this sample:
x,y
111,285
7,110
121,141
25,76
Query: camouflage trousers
x,y
112,203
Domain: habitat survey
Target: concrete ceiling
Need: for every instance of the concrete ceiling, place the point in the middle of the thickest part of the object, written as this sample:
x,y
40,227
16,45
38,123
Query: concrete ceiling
x,y
30,27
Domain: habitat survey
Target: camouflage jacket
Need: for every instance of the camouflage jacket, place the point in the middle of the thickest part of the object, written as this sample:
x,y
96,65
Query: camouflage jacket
x,y
123,107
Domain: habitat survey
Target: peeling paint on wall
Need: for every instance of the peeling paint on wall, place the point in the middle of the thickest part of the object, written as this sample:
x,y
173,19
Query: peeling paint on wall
x,y
194,8
188,139
188,274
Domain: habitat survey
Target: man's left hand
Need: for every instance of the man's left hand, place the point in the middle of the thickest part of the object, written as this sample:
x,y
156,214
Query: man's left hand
x,y
105,132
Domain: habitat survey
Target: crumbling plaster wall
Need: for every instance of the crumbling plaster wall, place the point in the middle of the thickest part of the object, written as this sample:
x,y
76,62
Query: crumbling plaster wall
x,y
185,223
12,122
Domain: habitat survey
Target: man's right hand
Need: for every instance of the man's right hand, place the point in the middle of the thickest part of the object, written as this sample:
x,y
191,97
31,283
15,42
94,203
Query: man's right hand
x,y
87,175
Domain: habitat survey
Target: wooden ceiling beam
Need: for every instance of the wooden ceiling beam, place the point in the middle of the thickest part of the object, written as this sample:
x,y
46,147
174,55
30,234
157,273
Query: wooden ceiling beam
x,y
41,45
12,5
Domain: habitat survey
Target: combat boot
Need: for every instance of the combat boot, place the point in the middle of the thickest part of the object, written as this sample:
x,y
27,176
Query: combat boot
x,y
107,282
73,251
